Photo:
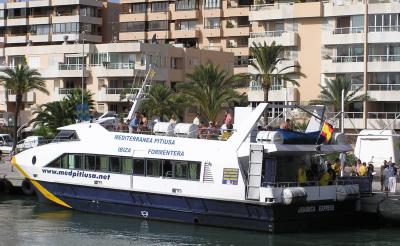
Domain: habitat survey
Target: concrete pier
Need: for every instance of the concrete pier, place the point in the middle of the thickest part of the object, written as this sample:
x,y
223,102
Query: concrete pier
x,y
9,175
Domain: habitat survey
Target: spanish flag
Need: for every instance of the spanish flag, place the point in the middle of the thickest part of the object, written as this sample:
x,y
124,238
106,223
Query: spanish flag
x,y
327,131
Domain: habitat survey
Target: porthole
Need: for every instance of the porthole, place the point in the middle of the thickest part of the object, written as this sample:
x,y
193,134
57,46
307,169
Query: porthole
x,y
34,160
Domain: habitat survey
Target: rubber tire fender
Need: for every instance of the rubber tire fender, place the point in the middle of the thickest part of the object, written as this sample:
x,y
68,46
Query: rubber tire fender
x,y
27,188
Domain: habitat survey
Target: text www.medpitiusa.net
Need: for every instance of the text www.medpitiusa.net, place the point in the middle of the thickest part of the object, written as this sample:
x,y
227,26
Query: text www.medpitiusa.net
x,y
76,173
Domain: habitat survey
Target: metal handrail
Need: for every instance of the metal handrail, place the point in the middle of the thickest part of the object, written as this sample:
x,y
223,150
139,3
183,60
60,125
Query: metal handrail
x,y
121,66
383,115
267,34
65,91
348,30
70,66
383,58
383,28
384,87
341,59
269,6
351,115
115,90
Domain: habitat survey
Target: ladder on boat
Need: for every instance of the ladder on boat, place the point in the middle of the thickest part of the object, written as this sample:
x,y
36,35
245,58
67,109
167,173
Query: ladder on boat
x,y
254,172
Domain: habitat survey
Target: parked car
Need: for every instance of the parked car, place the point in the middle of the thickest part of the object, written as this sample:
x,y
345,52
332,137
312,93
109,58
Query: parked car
x,y
6,143
30,142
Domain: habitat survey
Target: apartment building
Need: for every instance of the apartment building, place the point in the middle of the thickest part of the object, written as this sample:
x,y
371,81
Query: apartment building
x,y
106,70
354,39
45,22
205,24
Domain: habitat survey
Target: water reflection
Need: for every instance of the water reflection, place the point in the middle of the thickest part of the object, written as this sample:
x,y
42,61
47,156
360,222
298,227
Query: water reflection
x,y
23,221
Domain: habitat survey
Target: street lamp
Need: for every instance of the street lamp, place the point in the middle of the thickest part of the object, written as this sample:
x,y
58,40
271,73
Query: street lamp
x,y
83,65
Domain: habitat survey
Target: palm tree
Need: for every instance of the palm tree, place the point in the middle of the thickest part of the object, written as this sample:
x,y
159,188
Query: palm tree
x,y
74,98
53,115
331,94
21,80
266,63
211,89
163,102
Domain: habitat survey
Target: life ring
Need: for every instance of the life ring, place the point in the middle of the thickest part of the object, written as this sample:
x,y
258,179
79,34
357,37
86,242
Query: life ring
x,y
27,188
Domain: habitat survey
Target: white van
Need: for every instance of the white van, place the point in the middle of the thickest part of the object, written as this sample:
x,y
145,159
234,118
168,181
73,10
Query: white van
x,y
30,142
6,143
377,146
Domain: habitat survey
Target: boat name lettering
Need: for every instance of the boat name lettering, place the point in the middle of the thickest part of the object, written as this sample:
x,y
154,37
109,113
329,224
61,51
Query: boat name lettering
x,y
123,149
145,139
326,208
165,152
303,210
312,209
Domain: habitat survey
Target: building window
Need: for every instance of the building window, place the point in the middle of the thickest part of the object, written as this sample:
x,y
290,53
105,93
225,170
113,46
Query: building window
x,y
241,61
34,62
181,5
212,4
187,25
113,107
66,28
159,6
39,29
87,11
158,25
212,23
138,26
139,8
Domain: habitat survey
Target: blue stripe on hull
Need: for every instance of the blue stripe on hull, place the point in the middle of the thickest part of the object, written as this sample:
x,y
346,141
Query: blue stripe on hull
x,y
199,211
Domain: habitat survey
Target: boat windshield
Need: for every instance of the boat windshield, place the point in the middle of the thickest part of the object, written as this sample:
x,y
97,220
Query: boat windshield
x,y
66,135
7,139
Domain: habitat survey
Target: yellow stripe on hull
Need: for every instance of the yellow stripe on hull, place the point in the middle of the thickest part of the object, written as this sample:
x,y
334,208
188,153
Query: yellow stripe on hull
x,y
39,187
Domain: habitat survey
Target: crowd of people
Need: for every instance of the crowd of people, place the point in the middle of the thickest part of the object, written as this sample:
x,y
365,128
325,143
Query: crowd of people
x,y
328,172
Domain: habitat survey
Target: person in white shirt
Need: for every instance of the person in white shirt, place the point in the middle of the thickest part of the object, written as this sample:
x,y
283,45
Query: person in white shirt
x,y
196,120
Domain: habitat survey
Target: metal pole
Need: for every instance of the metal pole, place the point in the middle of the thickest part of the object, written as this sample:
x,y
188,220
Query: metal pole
x,y
365,88
83,64
286,99
342,114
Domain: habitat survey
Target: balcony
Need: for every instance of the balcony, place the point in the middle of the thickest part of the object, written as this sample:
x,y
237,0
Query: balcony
x,y
384,6
271,12
36,20
343,64
308,9
384,92
276,93
344,8
61,93
237,31
40,38
71,70
375,120
213,47
22,21
59,37
110,94
39,3
234,10
344,35
212,12
115,70
238,50
214,31
283,38
16,39
185,14
188,33
383,63
29,97
289,62
132,17
383,34
160,34
127,36
154,16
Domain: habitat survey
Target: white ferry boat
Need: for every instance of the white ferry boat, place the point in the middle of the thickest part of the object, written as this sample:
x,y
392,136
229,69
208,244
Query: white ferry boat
x,y
235,183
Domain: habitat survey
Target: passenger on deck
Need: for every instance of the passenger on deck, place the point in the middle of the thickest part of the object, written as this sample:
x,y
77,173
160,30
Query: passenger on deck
x,y
196,120
337,167
325,178
285,125
362,171
330,171
354,169
134,123
382,176
301,174
392,172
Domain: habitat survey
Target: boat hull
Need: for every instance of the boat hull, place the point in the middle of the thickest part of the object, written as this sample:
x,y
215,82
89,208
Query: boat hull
x,y
221,213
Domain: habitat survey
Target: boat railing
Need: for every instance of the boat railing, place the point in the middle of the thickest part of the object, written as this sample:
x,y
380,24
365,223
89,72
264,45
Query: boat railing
x,y
364,183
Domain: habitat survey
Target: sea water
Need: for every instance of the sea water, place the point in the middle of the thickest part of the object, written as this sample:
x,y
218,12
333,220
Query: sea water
x,y
24,221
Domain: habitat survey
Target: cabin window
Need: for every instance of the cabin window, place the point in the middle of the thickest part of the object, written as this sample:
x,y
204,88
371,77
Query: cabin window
x,y
194,171
127,165
91,162
66,135
153,168
180,170
138,166
115,165
167,169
